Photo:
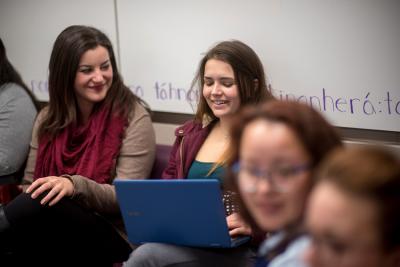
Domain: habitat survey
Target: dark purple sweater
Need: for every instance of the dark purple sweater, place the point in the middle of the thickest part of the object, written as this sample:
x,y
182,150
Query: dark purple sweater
x,y
189,139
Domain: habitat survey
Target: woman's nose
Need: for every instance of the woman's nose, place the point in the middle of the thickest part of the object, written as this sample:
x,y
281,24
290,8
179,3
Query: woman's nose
x,y
216,89
97,76
265,185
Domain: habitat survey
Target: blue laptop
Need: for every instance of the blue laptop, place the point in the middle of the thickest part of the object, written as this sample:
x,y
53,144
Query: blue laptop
x,y
180,212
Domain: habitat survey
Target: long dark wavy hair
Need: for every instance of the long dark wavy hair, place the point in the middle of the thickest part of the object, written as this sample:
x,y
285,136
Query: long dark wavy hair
x,y
8,74
68,48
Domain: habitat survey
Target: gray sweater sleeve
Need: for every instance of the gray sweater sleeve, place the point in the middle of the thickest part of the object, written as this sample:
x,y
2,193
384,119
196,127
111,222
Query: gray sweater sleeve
x,y
17,114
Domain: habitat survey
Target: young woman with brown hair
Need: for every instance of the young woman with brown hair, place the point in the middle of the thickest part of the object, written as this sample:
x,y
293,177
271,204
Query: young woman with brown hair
x,y
93,130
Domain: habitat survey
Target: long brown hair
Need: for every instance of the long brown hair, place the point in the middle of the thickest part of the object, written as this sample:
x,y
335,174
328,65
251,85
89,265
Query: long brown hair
x,y
316,134
247,68
249,76
372,173
68,48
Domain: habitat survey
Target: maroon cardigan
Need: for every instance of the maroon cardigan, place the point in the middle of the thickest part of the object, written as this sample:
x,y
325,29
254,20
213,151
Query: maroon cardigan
x,y
189,139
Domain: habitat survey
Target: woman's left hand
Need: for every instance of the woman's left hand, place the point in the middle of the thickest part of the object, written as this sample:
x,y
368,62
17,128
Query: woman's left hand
x,y
57,188
237,226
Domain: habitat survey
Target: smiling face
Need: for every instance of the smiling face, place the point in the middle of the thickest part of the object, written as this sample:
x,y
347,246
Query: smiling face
x,y
269,147
93,78
220,89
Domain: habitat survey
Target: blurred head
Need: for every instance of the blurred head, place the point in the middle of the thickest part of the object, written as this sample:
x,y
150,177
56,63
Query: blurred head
x,y
277,146
83,67
230,75
353,213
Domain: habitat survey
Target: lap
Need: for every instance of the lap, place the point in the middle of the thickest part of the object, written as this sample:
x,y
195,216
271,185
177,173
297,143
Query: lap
x,y
61,228
166,255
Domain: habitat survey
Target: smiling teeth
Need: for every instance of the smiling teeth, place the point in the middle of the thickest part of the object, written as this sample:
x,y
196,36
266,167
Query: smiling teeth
x,y
219,102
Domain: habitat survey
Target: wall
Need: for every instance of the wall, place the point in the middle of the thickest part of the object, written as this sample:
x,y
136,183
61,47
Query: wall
x,y
340,56
165,135
29,29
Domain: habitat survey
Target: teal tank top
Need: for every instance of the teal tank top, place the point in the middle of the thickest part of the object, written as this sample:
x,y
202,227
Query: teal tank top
x,y
199,170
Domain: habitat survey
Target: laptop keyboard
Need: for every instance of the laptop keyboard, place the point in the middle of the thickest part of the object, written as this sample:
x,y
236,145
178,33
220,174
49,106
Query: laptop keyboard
x,y
230,202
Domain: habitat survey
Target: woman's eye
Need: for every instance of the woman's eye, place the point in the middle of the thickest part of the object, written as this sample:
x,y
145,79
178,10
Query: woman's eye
x,y
208,82
253,171
285,171
86,71
228,84
105,67
337,247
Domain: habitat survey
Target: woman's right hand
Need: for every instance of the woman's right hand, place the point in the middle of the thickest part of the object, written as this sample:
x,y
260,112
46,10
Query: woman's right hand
x,y
56,187
237,226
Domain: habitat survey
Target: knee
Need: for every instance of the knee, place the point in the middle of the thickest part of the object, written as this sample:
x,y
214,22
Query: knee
x,y
144,256
21,206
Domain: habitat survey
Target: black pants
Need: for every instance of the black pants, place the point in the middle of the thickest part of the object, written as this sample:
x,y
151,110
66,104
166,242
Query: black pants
x,y
62,235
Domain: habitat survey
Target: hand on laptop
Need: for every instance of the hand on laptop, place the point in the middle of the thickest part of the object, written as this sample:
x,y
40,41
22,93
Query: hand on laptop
x,y
237,226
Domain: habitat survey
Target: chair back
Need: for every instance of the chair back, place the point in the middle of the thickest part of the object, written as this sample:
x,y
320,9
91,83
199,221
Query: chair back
x,y
161,161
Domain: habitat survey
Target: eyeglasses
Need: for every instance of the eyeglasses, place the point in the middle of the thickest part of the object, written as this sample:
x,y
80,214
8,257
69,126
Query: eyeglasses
x,y
279,177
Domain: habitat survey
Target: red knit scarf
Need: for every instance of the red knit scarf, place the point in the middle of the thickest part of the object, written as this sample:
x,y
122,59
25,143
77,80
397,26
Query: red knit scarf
x,y
90,150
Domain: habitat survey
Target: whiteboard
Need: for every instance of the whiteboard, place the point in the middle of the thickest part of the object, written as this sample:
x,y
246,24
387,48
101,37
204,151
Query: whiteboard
x,y
29,28
340,56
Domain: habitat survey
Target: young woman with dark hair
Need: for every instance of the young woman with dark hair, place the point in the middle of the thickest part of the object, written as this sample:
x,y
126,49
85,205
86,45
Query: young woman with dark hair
x,y
277,146
93,130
